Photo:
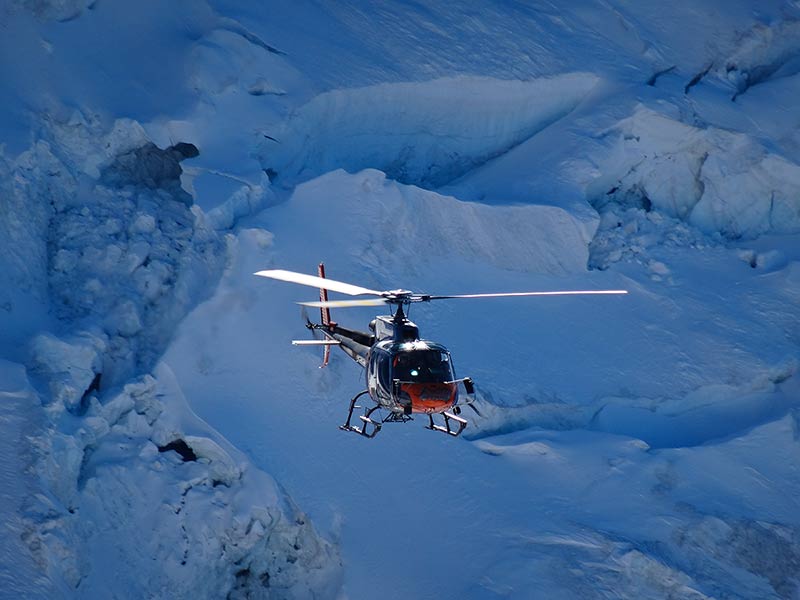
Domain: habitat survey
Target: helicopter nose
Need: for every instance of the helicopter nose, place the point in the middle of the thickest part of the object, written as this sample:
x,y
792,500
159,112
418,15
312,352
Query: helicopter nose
x,y
430,397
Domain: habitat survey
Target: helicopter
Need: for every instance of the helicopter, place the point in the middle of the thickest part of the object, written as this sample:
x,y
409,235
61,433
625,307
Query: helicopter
x,y
405,374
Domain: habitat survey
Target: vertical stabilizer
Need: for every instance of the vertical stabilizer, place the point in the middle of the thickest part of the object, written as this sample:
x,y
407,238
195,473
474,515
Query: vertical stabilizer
x,y
324,313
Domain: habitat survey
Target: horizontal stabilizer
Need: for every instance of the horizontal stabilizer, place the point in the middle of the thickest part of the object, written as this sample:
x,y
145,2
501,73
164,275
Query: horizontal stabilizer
x,y
316,342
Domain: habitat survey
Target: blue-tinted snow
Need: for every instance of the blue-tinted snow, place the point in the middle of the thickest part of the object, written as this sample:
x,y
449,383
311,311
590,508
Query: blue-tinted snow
x,y
636,447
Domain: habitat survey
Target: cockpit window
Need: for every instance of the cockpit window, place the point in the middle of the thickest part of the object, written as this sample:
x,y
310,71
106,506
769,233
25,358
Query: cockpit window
x,y
383,370
424,366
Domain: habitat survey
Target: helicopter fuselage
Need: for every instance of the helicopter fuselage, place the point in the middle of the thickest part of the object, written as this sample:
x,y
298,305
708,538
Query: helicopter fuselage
x,y
403,373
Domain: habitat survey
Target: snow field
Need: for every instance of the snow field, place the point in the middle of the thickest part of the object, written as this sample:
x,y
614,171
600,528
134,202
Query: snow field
x,y
561,526
631,447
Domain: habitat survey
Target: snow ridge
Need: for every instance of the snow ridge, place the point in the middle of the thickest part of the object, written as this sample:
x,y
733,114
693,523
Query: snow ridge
x,y
394,226
427,133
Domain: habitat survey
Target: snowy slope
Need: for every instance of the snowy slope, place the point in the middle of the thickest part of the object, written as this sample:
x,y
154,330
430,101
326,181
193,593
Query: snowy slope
x,y
580,382
156,155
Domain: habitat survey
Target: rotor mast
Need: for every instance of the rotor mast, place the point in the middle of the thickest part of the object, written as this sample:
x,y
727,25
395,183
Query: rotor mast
x,y
399,319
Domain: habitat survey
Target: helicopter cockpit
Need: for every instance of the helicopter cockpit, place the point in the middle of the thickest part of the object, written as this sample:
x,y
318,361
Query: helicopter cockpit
x,y
422,366
415,376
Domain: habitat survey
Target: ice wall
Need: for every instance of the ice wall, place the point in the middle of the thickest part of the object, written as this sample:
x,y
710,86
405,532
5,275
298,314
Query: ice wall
x,y
426,133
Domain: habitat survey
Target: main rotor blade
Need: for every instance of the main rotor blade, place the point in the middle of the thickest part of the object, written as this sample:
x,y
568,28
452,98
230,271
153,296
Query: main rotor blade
x,y
509,294
317,282
345,303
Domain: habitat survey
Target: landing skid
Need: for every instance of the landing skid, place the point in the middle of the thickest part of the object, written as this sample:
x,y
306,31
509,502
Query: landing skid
x,y
365,419
453,425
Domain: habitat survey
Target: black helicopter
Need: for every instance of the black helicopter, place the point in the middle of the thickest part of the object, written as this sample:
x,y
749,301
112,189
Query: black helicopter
x,y
405,375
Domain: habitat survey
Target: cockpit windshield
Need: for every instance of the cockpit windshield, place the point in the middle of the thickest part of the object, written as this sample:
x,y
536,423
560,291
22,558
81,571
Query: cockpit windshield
x,y
423,366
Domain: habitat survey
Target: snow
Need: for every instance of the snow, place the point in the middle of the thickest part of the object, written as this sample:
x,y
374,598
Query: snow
x,y
569,403
766,52
428,133
688,172
392,225
21,574
161,437
214,525
123,257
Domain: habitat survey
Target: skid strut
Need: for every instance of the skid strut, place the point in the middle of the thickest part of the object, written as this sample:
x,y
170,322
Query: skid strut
x,y
365,419
448,428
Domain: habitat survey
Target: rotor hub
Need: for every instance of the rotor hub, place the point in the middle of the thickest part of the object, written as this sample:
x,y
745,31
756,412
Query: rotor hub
x,y
398,296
